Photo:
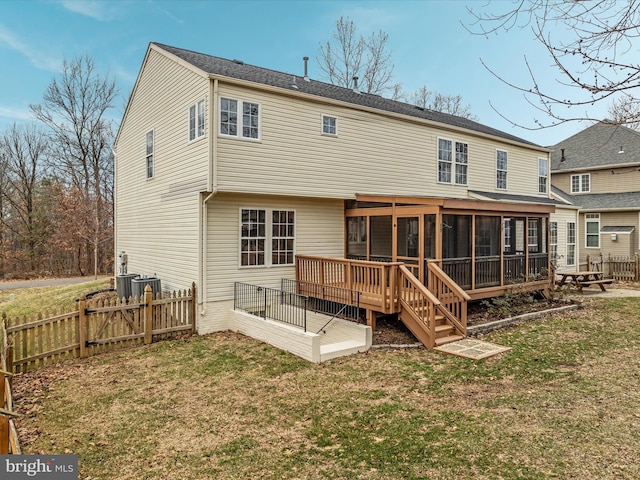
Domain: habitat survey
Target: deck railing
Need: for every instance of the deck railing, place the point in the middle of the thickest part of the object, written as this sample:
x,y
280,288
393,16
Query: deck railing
x,y
452,297
375,280
420,304
486,270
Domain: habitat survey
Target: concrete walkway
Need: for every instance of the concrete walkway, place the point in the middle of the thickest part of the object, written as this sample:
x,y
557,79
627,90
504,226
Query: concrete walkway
x,y
610,293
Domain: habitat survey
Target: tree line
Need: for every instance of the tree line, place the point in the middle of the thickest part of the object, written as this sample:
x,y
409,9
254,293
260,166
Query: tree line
x,y
56,180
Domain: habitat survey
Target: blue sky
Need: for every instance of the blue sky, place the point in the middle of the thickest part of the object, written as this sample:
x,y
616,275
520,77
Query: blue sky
x,y
429,47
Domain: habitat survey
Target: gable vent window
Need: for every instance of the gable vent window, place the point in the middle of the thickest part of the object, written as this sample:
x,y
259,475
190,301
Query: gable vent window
x,y
196,121
329,125
239,119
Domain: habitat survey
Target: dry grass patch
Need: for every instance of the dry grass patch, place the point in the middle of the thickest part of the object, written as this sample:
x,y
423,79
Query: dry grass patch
x,y
561,404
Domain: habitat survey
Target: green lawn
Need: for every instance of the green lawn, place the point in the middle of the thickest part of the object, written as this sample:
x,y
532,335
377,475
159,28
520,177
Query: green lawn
x,y
562,404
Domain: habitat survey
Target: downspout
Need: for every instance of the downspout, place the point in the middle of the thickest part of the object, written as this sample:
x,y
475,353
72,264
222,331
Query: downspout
x,y
212,188
115,210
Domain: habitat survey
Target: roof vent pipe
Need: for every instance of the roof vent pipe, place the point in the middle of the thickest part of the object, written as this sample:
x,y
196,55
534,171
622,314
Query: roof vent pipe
x,y
355,85
562,159
306,68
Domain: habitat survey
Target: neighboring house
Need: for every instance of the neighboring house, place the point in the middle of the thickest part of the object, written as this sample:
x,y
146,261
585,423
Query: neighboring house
x,y
227,172
598,171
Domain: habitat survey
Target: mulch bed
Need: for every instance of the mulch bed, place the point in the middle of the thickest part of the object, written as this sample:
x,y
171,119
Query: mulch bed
x,y
391,331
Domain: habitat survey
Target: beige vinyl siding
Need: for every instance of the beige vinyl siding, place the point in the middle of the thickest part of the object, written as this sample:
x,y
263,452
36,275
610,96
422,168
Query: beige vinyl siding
x,y
157,219
625,245
562,216
319,231
602,181
372,153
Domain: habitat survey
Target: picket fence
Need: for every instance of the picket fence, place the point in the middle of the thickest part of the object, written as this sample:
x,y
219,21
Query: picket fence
x,y
9,442
98,326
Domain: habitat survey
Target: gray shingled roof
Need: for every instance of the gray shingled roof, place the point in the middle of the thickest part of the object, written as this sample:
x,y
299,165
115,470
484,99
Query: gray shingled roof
x,y
621,229
604,201
507,197
239,70
597,146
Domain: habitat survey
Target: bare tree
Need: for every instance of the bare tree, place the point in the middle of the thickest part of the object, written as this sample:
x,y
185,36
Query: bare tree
x,y
453,105
597,63
351,55
75,109
22,150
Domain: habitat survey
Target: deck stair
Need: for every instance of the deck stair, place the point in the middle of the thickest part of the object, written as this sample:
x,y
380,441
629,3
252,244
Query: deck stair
x,y
428,318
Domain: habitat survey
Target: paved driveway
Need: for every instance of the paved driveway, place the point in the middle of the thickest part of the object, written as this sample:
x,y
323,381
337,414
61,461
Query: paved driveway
x,y
49,282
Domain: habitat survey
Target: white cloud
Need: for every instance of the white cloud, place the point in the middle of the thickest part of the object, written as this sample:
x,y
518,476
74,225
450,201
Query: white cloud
x,y
14,114
98,10
37,58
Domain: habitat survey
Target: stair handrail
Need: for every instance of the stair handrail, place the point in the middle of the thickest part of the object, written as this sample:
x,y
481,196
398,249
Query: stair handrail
x,y
432,301
438,277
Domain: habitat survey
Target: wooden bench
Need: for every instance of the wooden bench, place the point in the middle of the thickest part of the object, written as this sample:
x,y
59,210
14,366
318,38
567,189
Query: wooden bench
x,y
600,283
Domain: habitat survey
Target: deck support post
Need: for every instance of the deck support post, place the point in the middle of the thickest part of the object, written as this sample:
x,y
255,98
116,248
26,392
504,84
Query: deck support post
x,y
372,316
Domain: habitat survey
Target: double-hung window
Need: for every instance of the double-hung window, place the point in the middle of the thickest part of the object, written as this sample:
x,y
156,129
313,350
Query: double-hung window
x,y
592,230
501,169
452,169
553,242
267,237
571,244
581,183
196,121
329,125
462,161
149,154
239,118
542,175
533,225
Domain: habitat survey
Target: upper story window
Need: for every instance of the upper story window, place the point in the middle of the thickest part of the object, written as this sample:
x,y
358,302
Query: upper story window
x,y
329,125
501,169
149,154
196,120
239,118
542,175
581,183
452,169
592,230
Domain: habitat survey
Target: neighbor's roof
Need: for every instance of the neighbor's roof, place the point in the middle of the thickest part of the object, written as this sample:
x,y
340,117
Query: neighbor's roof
x,y
597,147
606,201
242,71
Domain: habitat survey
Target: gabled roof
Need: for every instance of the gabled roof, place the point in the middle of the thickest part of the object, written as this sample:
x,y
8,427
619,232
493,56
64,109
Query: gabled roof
x,y
597,147
239,70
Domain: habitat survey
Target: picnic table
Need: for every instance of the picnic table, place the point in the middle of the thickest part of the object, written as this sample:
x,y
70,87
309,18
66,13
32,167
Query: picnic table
x,y
581,279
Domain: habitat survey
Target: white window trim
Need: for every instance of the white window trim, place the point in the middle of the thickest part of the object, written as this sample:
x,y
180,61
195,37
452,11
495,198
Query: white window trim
x,y
328,134
240,120
551,241
268,237
204,130
545,176
586,233
506,170
452,162
152,154
580,187
575,243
